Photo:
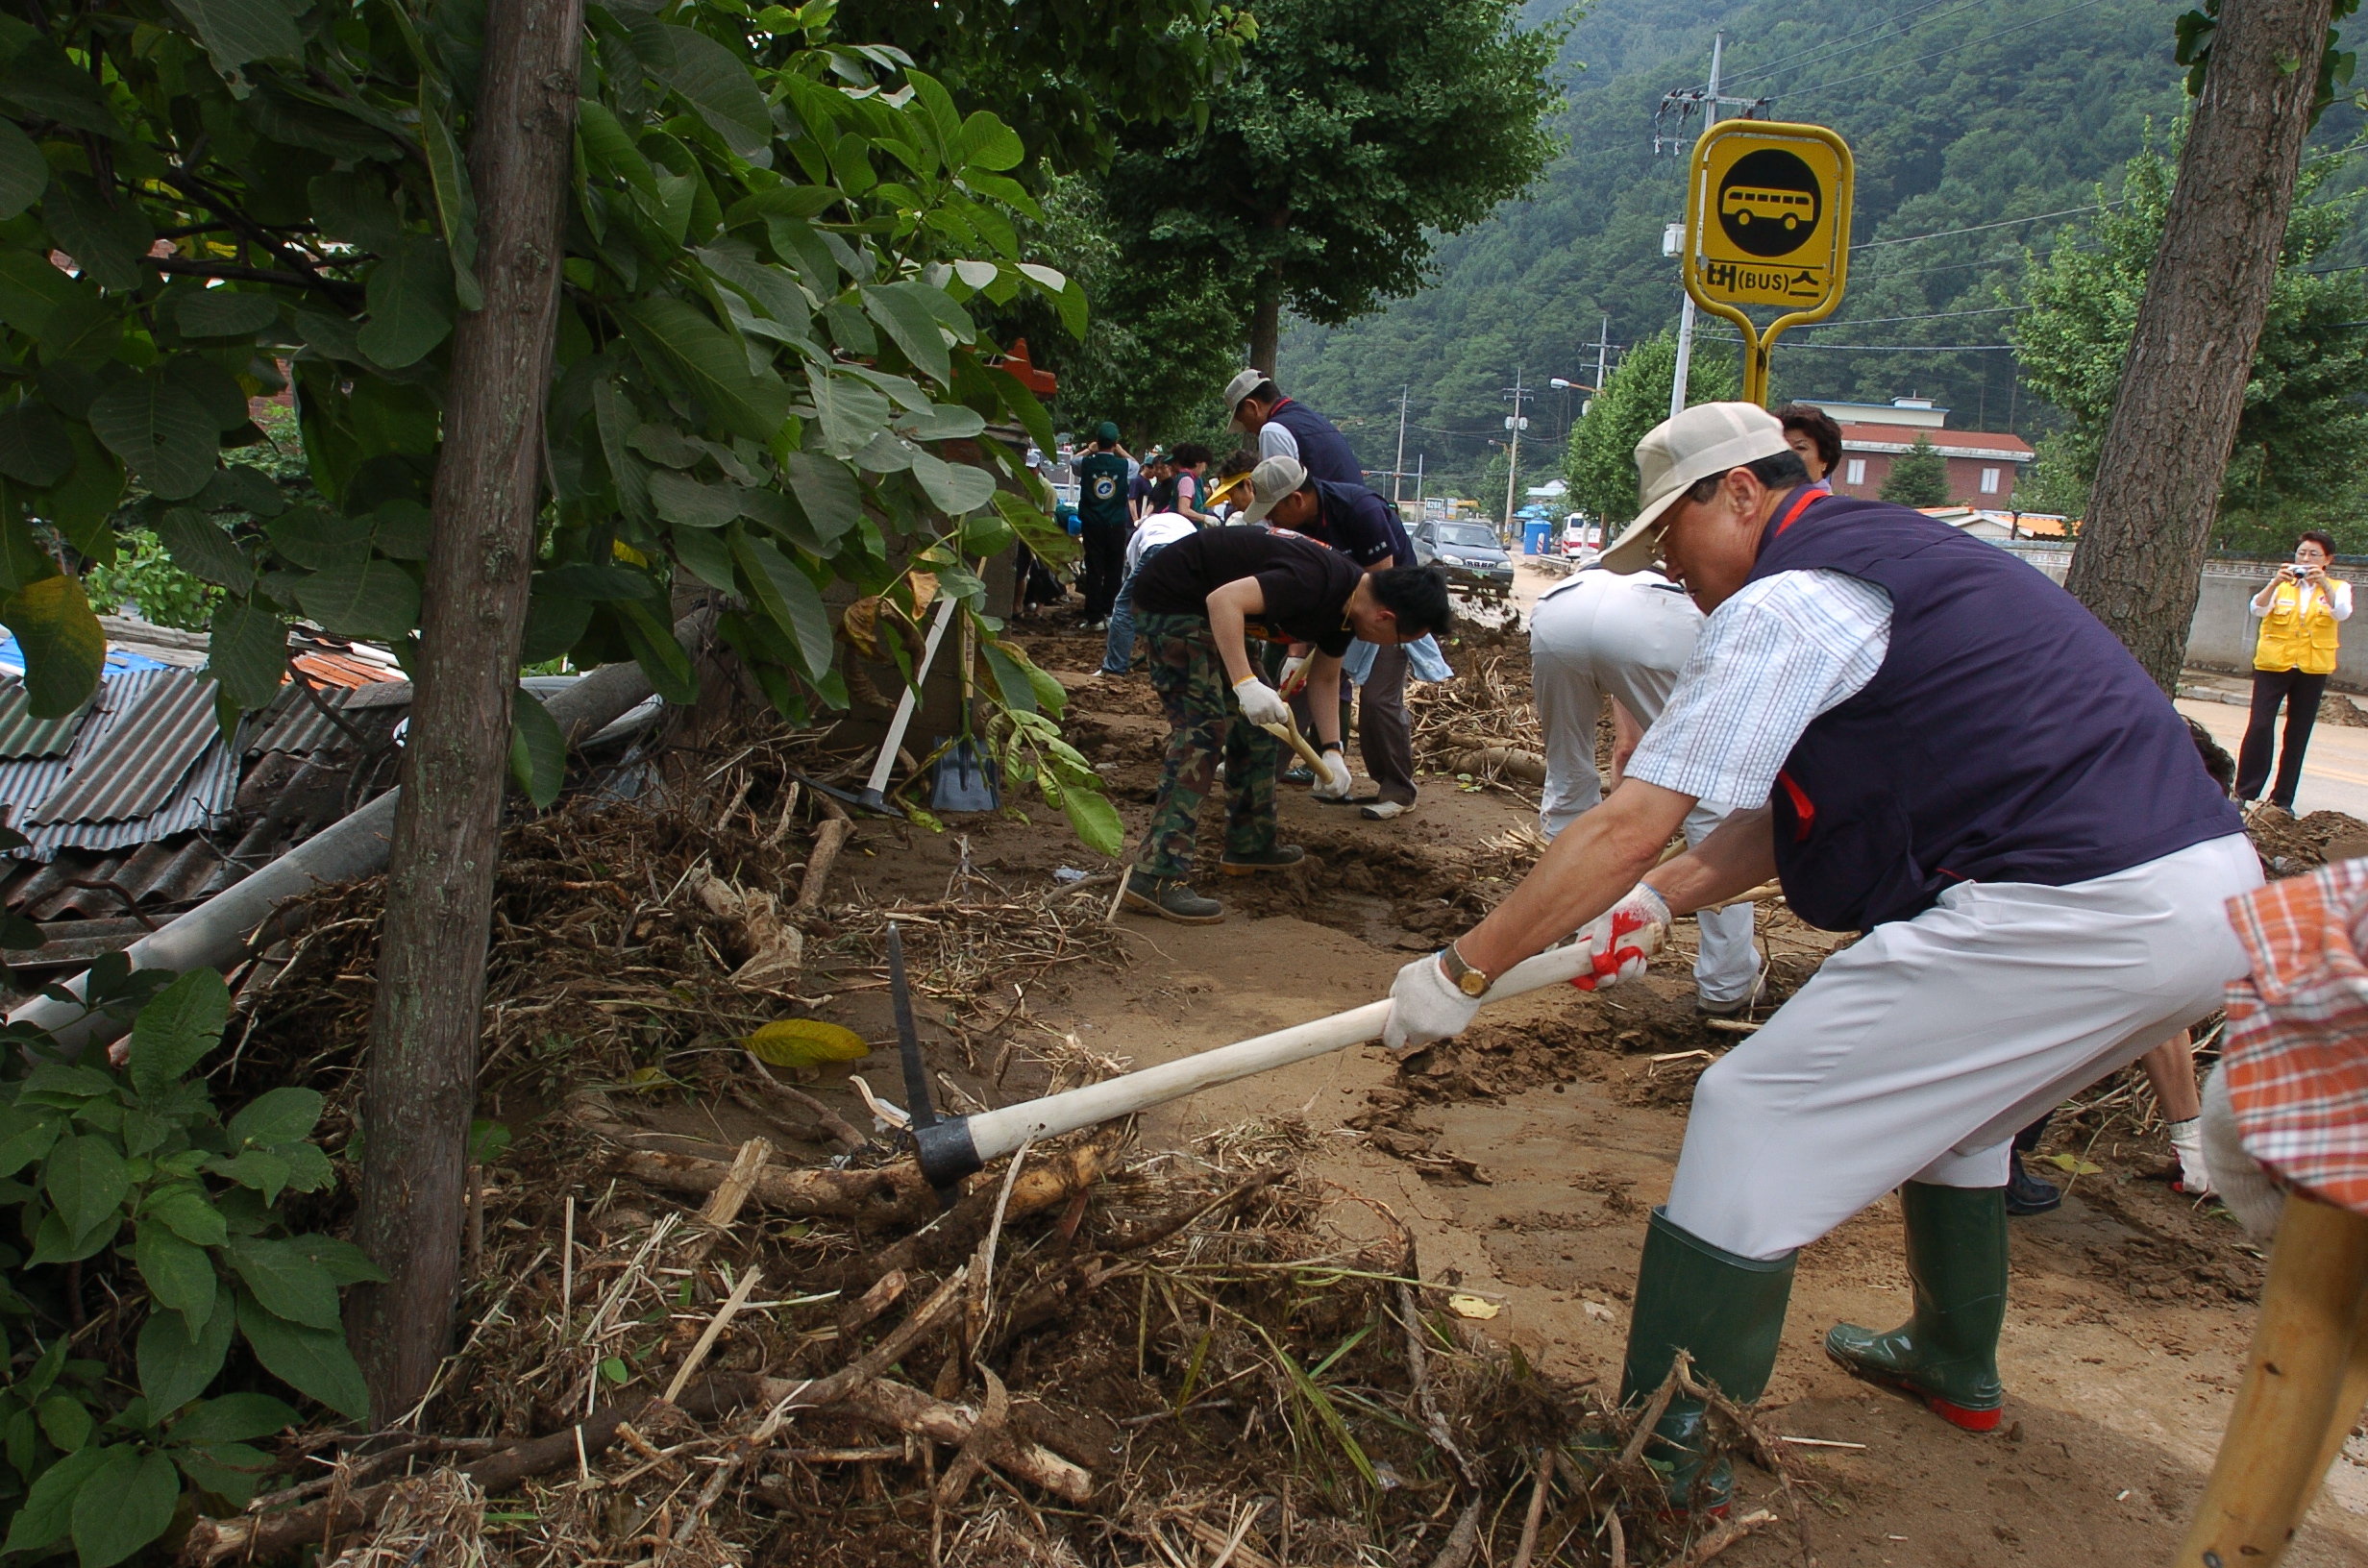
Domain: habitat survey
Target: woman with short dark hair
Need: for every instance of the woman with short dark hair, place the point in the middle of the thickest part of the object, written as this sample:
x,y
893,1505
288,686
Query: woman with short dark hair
x,y
1811,433
2299,610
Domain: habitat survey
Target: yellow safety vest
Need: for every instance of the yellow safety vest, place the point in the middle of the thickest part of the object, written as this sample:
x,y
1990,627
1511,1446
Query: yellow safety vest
x,y
2298,633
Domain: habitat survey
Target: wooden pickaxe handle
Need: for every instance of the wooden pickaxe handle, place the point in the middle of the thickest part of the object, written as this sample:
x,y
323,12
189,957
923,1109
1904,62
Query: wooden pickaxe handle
x,y
1289,735
2305,1379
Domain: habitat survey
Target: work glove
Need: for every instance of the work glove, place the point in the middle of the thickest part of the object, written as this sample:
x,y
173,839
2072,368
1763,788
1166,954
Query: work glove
x,y
1333,785
1294,676
1624,936
1260,704
1424,1006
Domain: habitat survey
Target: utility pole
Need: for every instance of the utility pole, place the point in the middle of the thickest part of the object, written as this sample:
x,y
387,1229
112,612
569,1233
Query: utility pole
x,y
1683,103
1418,479
1603,347
1516,423
1397,469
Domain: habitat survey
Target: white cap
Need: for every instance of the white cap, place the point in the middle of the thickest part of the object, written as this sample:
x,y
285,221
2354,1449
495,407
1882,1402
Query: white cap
x,y
1269,482
1707,439
1239,387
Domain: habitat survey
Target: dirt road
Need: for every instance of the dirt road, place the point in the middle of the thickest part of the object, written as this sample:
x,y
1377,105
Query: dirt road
x,y
1526,1154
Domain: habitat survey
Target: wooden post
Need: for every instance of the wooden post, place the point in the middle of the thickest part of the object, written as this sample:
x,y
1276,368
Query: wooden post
x,y
2278,1439
425,1022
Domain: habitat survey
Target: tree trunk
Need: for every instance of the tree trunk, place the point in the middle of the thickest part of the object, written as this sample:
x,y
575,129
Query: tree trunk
x,y
2141,555
425,1024
1266,325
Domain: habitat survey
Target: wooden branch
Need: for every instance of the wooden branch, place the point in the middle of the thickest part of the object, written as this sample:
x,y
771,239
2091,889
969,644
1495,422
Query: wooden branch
x,y
827,842
254,275
909,1410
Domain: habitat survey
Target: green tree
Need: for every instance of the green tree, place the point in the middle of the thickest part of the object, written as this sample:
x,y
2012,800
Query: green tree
x,y
1600,461
765,375
1165,335
1919,477
1355,134
1067,77
2304,432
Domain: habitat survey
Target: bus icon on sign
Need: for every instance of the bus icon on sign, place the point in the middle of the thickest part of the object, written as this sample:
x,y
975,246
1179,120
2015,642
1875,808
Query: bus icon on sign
x,y
1745,204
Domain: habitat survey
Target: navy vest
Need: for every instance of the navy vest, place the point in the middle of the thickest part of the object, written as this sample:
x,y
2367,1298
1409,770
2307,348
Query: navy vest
x,y
1323,451
2008,737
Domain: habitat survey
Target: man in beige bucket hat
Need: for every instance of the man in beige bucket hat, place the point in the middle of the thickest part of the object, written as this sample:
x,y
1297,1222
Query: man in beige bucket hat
x,y
2040,886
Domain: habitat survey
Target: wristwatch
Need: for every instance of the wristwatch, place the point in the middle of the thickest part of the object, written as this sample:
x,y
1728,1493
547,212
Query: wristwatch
x,y
1468,980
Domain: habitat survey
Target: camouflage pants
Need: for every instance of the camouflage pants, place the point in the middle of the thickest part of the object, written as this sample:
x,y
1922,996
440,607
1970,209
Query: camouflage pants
x,y
1203,718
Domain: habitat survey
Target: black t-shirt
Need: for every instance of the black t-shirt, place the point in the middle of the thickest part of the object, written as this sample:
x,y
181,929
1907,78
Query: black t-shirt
x,y
1306,584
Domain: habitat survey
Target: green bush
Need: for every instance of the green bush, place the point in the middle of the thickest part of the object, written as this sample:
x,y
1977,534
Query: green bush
x,y
142,574
132,1171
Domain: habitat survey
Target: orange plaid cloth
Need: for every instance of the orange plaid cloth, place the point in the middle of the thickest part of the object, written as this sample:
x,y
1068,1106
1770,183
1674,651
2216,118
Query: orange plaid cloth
x,y
2297,1055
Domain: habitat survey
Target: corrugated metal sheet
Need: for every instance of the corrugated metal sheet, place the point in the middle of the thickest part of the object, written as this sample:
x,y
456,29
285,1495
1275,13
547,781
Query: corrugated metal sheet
x,y
140,762
22,735
149,877
343,669
294,725
201,797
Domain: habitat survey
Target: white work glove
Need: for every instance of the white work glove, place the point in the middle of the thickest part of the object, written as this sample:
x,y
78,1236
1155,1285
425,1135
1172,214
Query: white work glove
x,y
1624,936
1425,1006
1260,704
2252,1193
1294,676
1333,785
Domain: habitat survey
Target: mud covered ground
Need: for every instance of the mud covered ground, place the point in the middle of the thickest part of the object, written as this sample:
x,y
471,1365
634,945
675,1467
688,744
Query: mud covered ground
x,y
1525,1155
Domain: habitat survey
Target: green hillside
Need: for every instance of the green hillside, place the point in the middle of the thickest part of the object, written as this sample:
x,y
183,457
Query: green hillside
x,y
1961,113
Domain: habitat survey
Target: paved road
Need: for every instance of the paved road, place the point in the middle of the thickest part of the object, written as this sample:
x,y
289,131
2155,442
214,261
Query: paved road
x,y
2334,769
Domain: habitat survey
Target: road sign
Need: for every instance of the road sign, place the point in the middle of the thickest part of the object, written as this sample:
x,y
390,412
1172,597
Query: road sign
x,y
1768,223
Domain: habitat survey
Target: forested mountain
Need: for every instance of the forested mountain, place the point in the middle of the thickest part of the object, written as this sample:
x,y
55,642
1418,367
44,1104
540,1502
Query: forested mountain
x,y
1964,115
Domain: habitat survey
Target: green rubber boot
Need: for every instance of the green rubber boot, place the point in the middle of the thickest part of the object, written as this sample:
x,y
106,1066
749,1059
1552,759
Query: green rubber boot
x,y
1727,1313
1947,1354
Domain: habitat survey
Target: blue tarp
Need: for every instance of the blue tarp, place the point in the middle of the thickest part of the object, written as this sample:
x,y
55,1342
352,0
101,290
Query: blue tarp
x,y
12,658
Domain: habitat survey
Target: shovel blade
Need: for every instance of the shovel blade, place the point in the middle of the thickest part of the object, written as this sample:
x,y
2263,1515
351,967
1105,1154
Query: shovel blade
x,y
964,781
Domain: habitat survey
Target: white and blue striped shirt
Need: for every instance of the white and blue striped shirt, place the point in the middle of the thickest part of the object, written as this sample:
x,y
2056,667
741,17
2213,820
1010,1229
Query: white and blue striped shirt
x,y
1782,651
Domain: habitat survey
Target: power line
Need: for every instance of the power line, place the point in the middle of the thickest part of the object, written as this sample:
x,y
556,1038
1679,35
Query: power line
x,y
1965,43
2002,222
1887,348
1936,315
1834,48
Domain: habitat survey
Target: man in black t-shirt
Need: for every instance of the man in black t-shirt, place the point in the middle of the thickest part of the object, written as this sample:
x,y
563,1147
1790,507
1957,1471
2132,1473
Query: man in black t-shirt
x,y
1357,522
1196,605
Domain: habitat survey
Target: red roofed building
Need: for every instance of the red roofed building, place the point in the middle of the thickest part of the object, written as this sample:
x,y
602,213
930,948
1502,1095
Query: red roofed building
x,y
1983,465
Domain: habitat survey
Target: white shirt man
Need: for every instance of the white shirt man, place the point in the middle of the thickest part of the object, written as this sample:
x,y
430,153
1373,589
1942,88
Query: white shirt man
x,y
1600,634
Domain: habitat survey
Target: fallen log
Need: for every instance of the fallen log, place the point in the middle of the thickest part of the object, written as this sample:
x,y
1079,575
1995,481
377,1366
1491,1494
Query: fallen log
x,y
892,1194
1504,761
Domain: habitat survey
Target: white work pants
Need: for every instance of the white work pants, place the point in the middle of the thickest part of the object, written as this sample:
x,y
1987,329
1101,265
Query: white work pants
x,y
1620,637
1919,1052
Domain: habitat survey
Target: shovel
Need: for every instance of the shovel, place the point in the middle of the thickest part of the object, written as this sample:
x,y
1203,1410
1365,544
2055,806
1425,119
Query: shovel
x,y
963,780
871,799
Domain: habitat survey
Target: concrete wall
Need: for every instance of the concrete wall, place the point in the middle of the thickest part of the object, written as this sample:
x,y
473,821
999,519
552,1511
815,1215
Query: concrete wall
x,y
2222,634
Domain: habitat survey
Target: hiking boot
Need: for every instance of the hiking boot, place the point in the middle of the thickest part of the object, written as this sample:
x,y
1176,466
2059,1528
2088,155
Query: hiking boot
x,y
1170,899
1946,1355
1726,1312
2025,1193
1251,862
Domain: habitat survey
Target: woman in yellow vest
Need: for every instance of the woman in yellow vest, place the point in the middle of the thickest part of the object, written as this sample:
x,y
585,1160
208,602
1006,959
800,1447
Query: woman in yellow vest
x,y
2298,611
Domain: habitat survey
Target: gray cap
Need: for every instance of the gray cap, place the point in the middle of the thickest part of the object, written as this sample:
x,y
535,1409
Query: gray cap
x,y
1239,387
1707,439
1269,482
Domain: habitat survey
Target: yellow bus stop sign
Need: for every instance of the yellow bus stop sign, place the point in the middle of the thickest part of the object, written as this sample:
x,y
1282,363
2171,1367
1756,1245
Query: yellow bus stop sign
x,y
1768,223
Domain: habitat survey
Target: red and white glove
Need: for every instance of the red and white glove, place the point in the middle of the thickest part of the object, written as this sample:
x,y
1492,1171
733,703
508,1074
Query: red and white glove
x,y
1292,677
1624,936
